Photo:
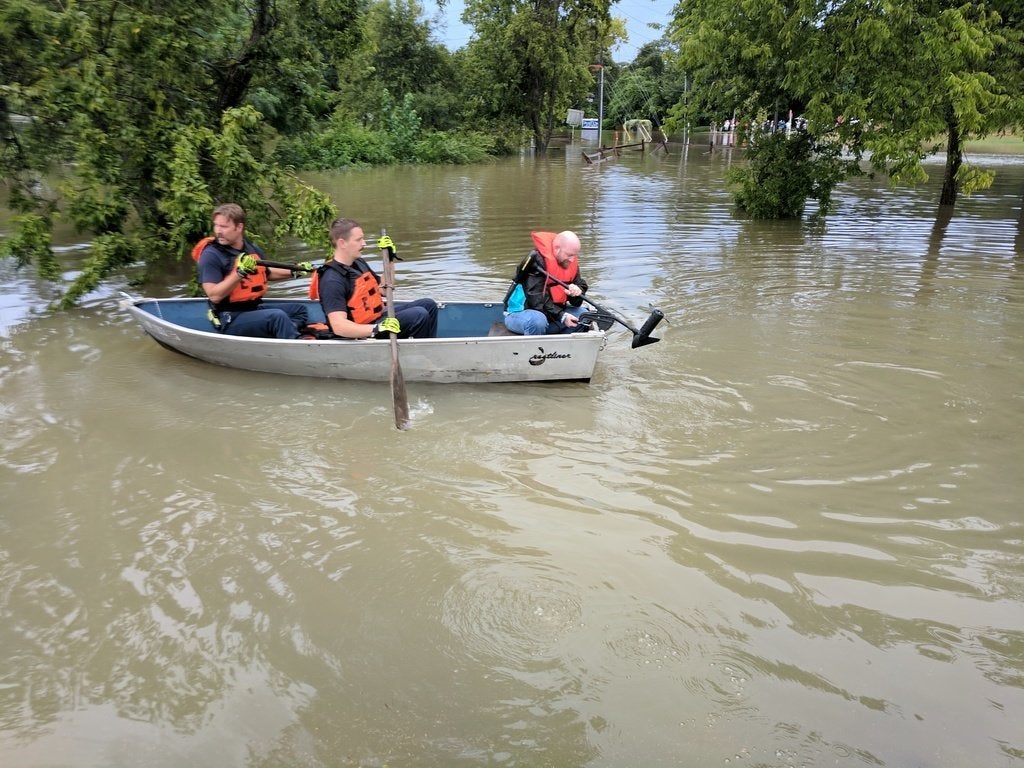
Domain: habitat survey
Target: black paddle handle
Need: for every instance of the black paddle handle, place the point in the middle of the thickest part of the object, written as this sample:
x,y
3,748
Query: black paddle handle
x,y
594,304
282,265
641,336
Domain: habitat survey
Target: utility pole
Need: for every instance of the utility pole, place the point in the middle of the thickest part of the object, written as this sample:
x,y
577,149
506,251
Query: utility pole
x,y
600,102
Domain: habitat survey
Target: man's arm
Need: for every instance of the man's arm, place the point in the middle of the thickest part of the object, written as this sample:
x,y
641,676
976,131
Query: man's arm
x,y
335,291
276,273
218,292
217,275
342,326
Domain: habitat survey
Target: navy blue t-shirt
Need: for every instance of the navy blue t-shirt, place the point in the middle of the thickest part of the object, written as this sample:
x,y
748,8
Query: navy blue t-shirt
x,y
336,288
217,261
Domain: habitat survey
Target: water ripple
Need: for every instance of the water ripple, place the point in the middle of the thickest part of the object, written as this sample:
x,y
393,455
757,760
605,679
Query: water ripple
x,y
512,614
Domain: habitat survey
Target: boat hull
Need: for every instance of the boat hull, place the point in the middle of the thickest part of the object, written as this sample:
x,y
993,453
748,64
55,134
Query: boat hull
x,y
471,347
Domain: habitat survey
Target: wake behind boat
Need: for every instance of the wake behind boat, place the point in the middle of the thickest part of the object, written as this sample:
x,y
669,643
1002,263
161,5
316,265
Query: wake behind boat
x,y
472,346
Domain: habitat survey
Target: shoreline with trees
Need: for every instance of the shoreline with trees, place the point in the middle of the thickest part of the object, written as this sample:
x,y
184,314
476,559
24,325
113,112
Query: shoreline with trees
x,y
131,123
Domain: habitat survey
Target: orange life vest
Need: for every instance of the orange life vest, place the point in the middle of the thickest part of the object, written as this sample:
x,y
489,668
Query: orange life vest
x,y
365,305
251,287
545,244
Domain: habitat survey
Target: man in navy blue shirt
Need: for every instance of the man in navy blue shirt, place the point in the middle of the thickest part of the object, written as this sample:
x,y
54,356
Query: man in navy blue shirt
x,y
233,281
351,297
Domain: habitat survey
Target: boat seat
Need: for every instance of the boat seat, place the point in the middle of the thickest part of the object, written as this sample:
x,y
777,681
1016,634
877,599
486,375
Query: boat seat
x,y
498,329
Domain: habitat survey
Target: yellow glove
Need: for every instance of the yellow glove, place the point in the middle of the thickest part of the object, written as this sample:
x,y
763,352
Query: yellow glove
x,y
385,241
387,325
246,265
303,266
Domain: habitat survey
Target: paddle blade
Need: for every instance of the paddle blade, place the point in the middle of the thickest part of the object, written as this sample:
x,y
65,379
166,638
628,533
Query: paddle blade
x,y
398,394
402,420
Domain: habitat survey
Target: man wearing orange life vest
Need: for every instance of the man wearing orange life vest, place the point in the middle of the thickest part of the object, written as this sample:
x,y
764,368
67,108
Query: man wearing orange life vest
x,y
535,303
351,297
235,285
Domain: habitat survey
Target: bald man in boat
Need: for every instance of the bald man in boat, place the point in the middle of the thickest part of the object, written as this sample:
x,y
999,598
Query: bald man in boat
x,y
546,294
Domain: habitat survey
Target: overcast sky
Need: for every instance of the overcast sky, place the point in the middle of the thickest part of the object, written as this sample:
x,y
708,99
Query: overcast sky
x,y
637,13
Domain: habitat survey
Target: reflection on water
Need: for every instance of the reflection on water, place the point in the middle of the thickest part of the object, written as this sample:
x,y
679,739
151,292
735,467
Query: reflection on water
x,y
786,535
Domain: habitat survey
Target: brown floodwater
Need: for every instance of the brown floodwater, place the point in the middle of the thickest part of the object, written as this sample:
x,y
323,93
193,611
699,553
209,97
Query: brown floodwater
x,y
789,534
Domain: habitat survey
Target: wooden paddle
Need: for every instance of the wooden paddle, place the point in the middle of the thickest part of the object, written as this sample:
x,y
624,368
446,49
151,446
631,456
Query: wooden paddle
x,y
397,380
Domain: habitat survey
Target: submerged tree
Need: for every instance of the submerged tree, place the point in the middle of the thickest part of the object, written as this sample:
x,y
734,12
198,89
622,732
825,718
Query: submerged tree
x,y
783,172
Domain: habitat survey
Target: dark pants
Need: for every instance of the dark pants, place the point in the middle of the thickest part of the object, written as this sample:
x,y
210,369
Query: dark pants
x,y
279,322
418,318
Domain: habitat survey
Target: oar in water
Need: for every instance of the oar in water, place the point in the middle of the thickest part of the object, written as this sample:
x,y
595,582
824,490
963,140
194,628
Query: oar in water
x,y
641,336
397,379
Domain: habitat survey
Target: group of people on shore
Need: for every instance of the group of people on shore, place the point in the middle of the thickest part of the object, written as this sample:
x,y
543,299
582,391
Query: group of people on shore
x,y
544,297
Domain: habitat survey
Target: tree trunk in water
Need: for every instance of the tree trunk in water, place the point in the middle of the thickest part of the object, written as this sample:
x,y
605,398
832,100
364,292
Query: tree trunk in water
x,y
539,143
954,159
549,113
535,109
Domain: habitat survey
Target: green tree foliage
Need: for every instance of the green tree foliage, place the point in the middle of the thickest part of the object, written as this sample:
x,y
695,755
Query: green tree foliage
x,y
737,55
395,59
883,78
130,121
646,87
395,95
529,60
742,59
952,83
394,134
783,172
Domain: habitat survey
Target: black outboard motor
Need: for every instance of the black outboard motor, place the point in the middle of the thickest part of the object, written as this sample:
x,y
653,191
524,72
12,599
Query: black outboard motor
x,y
643,336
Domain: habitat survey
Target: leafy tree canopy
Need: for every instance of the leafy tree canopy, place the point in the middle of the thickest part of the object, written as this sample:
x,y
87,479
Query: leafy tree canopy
x,y
132,120
396,58
881,77
529,61
648,87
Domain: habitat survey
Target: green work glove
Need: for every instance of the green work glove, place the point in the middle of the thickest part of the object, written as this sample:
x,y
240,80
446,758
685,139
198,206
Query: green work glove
x,y
387,325
385,241
246,265
303,266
